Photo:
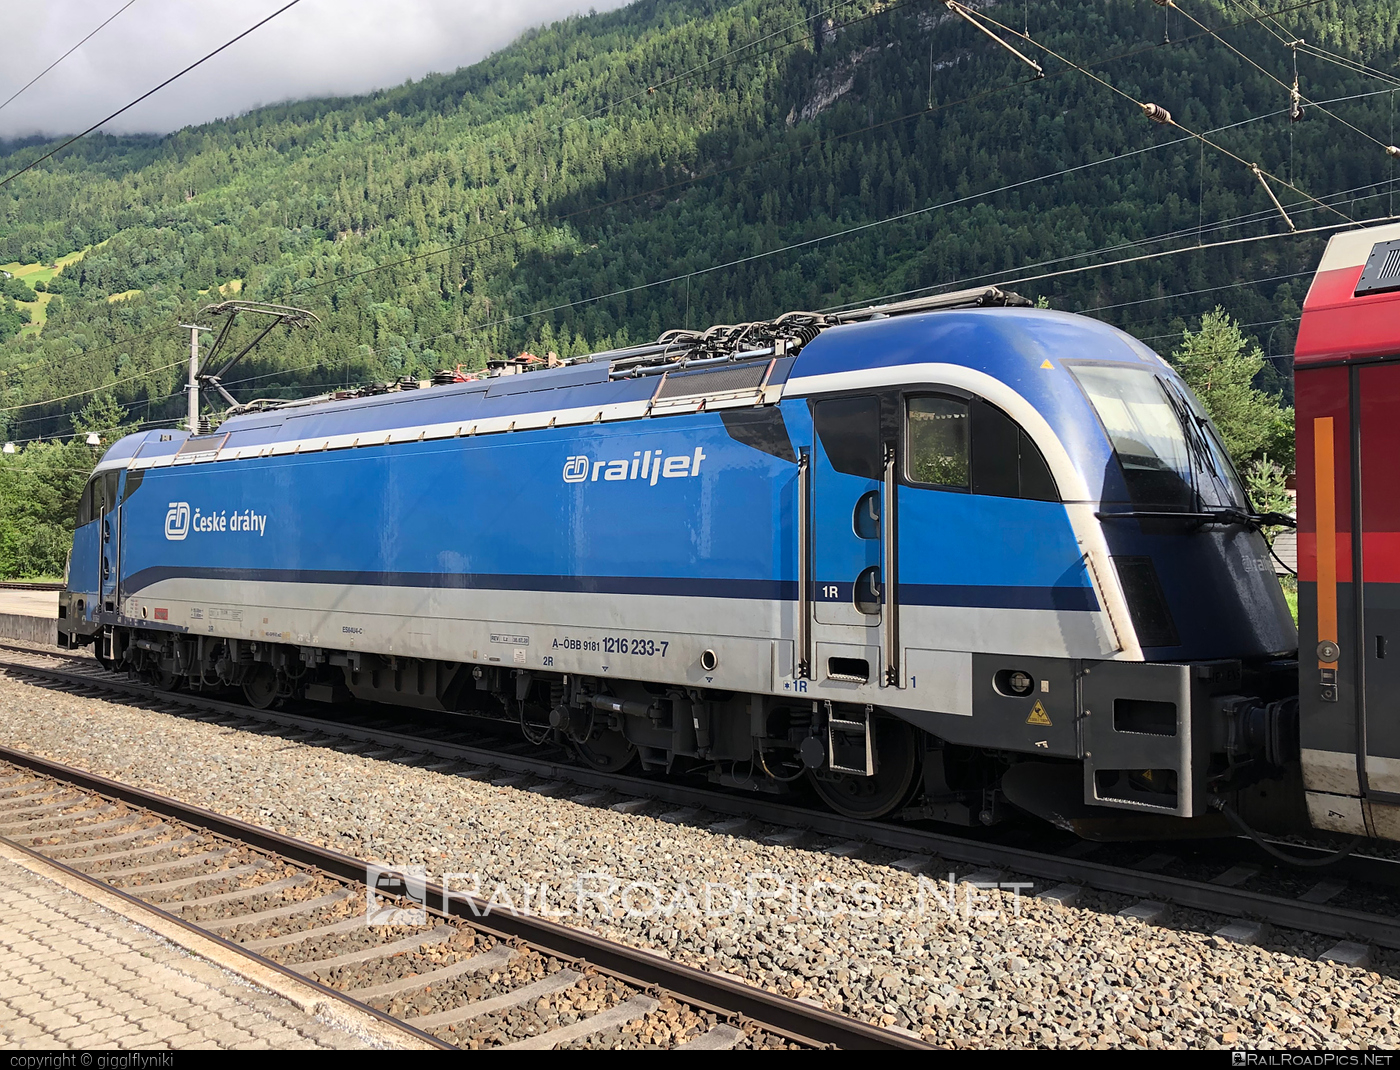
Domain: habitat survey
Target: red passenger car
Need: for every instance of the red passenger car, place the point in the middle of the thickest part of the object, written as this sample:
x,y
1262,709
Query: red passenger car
x,y
1348,411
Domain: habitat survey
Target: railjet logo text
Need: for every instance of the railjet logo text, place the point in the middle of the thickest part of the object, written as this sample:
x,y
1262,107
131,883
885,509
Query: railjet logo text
x,y
649,467
180,521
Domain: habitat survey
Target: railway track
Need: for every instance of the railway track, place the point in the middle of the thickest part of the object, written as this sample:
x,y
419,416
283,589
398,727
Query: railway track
x,y
1356,901
455,979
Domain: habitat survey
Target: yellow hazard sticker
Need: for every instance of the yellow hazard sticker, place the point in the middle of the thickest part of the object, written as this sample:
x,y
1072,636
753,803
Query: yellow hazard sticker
x,y
1046,364
1039,716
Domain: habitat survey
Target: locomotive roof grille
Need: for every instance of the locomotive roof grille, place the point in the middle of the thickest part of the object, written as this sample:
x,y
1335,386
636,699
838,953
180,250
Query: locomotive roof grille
x,y
1382,272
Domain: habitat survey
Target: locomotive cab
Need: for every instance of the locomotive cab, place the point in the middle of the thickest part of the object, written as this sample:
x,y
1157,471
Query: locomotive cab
x,y
1070,589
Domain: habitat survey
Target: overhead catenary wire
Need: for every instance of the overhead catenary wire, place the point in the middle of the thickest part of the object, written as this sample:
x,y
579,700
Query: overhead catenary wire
x,y
993,276
131,406
1241,220
1390,150
958,284
1344,61
55,63
125,340
506,232
1238,284
149,93
1161,297
899,216
92,390
1156,112
1222,244
1286,38
799,148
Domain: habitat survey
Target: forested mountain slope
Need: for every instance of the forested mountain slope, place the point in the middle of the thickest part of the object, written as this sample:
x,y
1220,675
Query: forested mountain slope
x,y
569,188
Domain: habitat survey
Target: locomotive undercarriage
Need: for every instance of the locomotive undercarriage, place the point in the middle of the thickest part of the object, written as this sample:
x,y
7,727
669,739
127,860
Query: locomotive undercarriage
x,y
861,761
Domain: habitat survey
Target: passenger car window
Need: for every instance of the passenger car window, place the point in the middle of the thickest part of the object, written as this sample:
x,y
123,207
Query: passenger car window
x,y
938,441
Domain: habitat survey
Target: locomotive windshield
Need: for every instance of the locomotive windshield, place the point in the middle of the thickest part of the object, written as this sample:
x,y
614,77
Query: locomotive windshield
x,y
1169,452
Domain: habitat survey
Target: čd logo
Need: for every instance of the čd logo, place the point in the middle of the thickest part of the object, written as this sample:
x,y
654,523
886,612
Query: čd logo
x,y
177,521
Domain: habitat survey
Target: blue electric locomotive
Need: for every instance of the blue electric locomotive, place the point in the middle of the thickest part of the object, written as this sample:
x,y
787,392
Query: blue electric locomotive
x,y
927,558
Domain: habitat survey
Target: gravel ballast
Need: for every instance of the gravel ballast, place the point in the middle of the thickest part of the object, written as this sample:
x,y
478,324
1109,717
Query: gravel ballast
x,y
875,942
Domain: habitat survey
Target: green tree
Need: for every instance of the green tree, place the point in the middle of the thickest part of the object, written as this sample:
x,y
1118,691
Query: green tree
x,y
12,317
1221,365
39,490
16,289
104,417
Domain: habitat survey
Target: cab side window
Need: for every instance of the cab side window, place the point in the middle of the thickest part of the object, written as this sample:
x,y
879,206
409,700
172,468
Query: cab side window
x,y
938,439
849,429
88,506
973,445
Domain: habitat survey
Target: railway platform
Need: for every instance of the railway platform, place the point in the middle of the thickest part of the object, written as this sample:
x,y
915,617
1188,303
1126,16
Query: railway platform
x,y
21,603
81,970
28,615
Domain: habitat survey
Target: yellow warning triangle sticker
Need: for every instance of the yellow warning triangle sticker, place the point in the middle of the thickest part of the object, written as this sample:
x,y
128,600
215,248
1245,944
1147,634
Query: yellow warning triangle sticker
x,y
1039,716
1046,364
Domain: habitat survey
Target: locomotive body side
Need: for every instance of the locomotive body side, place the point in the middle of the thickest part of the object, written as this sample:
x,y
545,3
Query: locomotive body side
x,y
920,539
1347,375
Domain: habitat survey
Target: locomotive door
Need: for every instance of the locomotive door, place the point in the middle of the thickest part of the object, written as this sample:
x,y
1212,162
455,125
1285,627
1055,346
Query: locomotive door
x,y
851,533
1375,399
109,532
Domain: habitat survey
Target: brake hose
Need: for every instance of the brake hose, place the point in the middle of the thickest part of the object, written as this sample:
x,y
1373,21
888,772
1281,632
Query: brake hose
x,y
1239,823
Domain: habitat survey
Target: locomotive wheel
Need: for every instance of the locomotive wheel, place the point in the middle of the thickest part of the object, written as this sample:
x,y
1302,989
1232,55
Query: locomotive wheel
x,y
260,689
165,681
870,797
608,752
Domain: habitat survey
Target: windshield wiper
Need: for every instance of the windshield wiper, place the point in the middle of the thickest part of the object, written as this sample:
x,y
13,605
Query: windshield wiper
x,y
1227,517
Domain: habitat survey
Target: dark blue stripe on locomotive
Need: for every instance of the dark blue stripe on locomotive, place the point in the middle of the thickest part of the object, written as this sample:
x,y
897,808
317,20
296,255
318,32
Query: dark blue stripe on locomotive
x,y
917,594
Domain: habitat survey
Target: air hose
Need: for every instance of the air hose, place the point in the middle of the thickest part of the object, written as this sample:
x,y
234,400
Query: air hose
x,y
1239,823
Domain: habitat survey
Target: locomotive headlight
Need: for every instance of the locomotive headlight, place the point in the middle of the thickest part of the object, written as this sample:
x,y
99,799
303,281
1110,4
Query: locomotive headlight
x,y
1014,683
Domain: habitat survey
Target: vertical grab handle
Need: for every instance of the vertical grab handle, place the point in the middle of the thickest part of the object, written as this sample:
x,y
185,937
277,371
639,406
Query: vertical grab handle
x,y
889,572
803,669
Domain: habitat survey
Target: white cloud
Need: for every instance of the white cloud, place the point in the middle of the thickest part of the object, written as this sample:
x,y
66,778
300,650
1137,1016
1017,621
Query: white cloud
x,y
318,48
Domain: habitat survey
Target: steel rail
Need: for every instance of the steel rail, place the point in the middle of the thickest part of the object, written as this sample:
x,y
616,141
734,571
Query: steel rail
x,y
1200,895
207,934
794,1019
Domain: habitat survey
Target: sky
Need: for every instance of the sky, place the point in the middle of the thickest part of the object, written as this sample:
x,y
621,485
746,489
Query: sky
x,y
318,48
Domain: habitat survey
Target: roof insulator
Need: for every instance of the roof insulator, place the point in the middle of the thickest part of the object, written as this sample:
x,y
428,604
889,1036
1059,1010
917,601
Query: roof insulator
x,y
1392,150
1163,3
1157,114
